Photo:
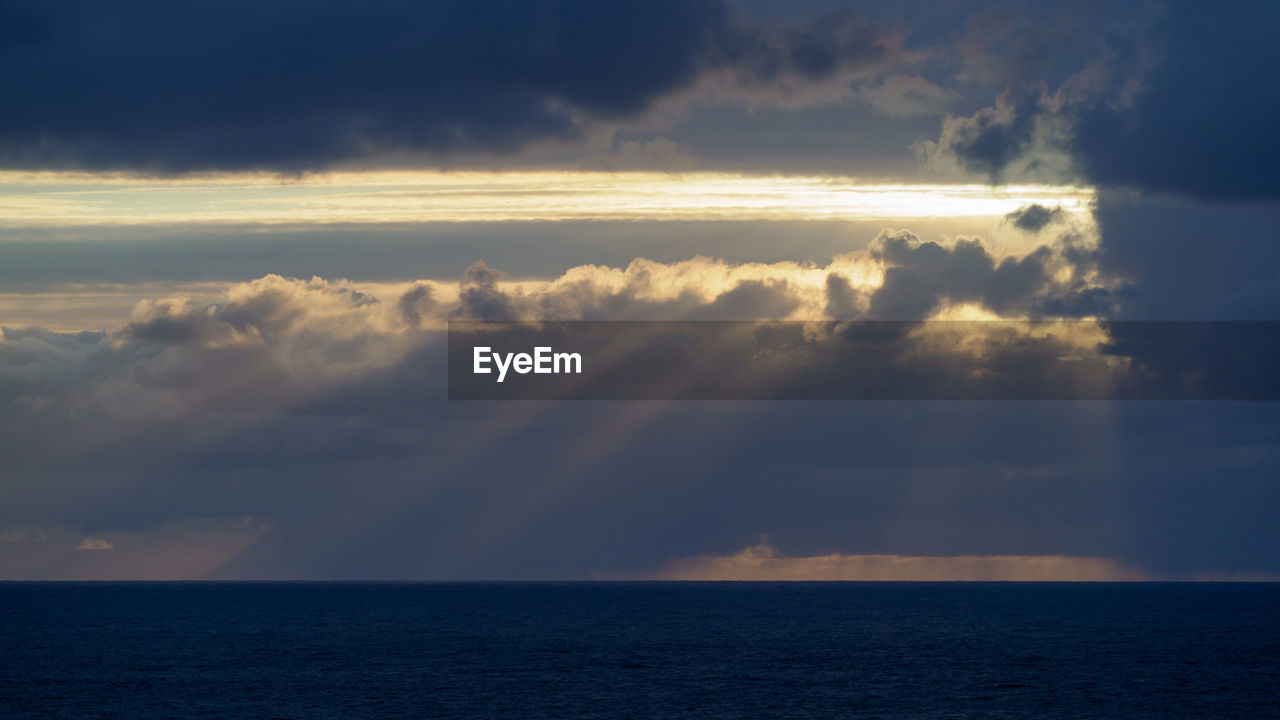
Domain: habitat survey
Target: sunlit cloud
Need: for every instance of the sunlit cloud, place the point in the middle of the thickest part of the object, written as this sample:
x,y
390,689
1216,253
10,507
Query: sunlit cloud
x,y
843,287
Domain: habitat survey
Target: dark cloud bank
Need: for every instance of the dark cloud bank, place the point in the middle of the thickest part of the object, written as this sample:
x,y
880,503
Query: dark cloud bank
x,y
1183,102
1173,120
1174,99
296,86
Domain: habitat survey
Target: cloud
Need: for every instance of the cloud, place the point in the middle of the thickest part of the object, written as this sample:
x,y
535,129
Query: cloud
x,y
1171,104
265,344
843,300
902,96
632,155
920,277
365,471
416,303
1173,124
269,399
899,277
1034,217
1019,138
277,343
1183,259
479,296
1201,121
700,288
186,549
23,535
763,563
179,88
274,342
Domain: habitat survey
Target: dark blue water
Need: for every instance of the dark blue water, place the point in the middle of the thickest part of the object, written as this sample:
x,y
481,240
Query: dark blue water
x,y
639,650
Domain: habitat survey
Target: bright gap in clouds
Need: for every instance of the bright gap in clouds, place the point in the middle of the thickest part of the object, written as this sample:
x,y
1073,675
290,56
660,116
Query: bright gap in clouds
x,y
763,563
61,199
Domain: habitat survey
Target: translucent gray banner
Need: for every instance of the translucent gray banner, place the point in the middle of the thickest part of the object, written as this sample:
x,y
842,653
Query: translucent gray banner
x,y
865,360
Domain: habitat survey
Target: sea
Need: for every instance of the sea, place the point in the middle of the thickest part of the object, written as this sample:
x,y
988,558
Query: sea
x,y
639,650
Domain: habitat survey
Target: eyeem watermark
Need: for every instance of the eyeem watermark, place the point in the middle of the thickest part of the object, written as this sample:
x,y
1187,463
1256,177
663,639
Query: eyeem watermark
x,y
1036,360
543,361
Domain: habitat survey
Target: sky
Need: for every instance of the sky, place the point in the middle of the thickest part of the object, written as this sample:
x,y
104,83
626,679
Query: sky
x,y
232,236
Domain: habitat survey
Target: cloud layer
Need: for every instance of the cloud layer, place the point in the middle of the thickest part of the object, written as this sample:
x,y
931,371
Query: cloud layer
x,y
268,402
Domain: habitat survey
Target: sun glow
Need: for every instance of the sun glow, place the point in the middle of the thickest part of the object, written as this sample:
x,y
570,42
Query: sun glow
x,y
48,198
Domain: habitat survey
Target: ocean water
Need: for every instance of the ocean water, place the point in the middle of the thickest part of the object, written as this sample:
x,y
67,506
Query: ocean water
x,y
638,650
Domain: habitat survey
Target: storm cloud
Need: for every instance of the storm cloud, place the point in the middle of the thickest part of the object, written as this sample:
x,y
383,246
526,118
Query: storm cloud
x,y
163,87
1177,104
